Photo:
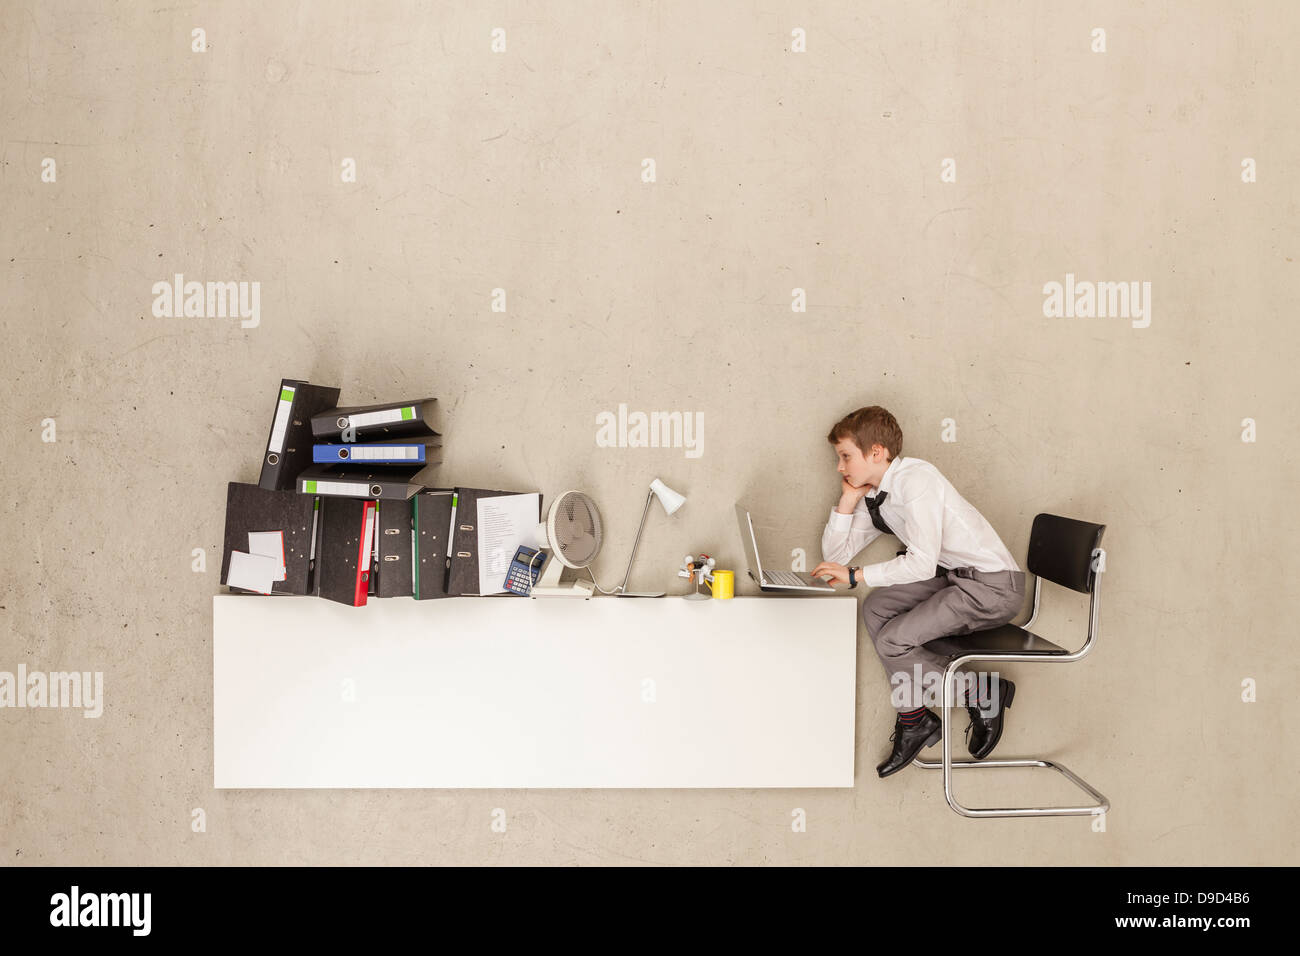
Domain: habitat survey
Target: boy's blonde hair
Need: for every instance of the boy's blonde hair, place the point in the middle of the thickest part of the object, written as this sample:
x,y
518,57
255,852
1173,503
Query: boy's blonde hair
x,y
869,426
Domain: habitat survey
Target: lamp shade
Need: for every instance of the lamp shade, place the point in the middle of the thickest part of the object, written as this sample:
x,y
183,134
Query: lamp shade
x,y
670,499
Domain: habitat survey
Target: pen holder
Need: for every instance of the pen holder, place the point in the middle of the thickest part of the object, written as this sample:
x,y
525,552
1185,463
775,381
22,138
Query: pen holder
x,y
699,570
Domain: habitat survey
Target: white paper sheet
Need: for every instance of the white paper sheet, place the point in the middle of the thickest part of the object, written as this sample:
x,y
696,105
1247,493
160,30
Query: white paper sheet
x,y
269,544
253,572
504,523
372,526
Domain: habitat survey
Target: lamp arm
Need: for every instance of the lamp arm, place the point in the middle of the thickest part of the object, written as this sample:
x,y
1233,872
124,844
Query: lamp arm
x,y
635,544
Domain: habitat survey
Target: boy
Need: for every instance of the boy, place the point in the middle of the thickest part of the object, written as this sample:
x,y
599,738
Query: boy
x,y
953,576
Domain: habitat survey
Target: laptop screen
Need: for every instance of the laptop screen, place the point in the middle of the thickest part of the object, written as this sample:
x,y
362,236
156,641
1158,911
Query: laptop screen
x,y
750,542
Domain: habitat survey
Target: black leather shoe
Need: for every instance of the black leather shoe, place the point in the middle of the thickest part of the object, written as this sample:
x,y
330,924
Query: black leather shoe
x,y
984,731
908,741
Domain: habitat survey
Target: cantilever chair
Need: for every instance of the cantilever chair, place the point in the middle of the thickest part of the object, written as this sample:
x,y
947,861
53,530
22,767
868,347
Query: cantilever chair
x,y
1066,552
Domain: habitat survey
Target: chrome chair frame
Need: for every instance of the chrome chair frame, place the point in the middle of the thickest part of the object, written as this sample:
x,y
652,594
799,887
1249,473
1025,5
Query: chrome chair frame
x,y
947,764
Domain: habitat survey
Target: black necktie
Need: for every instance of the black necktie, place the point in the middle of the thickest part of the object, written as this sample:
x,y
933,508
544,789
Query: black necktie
x,y
873,505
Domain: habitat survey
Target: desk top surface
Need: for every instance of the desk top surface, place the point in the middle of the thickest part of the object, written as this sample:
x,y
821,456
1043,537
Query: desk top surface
x,y
467,692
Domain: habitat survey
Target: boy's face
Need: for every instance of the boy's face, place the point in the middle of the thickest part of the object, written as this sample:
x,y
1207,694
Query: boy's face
x,y
858,468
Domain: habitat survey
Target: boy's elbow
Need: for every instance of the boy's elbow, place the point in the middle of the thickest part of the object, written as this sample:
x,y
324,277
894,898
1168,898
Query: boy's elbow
x,y
925,566
834,554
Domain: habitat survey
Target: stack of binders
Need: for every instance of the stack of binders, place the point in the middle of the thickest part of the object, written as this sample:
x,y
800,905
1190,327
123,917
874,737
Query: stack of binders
x,y
326,516
341,511
372,451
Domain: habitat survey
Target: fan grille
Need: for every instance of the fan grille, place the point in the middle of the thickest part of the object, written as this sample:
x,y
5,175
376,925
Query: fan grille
x,y
577,529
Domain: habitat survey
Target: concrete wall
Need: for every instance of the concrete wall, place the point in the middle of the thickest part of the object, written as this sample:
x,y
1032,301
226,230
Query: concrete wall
x,y
774,170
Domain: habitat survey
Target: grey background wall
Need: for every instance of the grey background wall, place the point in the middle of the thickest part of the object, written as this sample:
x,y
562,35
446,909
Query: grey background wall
x,y
522,170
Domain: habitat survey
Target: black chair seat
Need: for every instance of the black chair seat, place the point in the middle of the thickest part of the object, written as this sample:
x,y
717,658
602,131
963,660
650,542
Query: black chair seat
x,y
1007,639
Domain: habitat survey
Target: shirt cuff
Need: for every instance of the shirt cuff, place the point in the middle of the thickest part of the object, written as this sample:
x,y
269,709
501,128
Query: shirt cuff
x,y
840,522
873,575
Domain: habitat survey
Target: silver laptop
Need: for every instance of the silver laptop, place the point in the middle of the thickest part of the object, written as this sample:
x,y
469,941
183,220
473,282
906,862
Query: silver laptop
x,y
770,579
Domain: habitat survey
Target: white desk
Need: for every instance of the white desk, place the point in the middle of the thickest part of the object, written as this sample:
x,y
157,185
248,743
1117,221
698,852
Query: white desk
x,y
512,692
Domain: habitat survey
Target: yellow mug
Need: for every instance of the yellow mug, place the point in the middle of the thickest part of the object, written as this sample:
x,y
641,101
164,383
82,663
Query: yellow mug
x,y
724,584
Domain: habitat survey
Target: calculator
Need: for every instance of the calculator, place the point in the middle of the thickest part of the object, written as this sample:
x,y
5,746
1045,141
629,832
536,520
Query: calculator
x,y
525,569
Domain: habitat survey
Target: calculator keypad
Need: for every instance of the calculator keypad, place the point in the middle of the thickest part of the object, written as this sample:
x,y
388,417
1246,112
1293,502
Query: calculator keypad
x,y
518,579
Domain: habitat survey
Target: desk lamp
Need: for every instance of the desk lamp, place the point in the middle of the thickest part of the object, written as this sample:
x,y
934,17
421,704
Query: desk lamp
x,y
671,501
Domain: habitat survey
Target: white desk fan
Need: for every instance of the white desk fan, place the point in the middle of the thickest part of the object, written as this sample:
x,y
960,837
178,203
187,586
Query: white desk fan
x,y
573,532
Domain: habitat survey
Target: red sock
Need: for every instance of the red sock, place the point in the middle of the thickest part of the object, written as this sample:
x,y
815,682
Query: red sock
x,y
911,716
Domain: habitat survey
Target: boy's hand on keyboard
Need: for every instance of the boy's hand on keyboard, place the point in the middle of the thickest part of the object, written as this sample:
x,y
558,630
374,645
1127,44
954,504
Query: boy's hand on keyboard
x,y
830,571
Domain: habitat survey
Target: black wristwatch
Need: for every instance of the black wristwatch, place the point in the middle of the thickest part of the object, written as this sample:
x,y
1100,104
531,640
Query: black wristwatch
x,y
853,581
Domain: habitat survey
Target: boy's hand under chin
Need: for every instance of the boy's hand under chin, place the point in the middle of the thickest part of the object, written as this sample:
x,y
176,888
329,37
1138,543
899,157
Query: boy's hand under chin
x,y
846,485
851,494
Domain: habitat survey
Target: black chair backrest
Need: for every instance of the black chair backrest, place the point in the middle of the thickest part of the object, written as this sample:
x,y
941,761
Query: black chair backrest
x,y
1061,550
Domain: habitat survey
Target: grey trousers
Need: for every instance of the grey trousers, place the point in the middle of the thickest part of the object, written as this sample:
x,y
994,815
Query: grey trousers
x,y
901,618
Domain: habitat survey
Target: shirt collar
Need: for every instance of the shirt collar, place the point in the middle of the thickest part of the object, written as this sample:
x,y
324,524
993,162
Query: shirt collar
x,y
887,480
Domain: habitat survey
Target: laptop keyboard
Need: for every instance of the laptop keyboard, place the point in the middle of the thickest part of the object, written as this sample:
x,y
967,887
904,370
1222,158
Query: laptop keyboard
x,y
786,578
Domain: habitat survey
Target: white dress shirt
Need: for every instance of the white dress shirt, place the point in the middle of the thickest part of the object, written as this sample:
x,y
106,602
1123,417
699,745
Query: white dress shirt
x,y
925,512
